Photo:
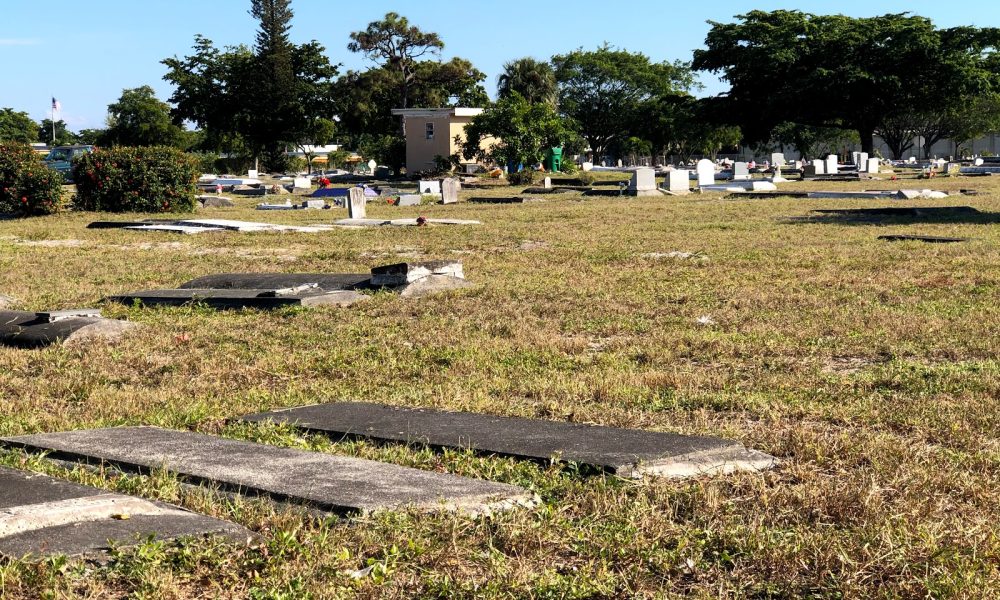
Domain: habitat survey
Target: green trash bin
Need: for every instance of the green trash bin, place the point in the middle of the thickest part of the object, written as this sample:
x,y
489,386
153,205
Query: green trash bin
x,y
554,159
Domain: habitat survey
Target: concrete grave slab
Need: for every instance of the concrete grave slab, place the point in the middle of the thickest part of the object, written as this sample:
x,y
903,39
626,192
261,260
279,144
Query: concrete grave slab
x,y
930,239
215,201
626,452
183,229
239,298
504,199
250,226
410,200
41,515
22,329
359,223
336,484
404,273
329,282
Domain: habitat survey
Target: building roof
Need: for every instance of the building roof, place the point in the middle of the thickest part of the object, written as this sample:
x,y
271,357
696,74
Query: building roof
x,y
454,111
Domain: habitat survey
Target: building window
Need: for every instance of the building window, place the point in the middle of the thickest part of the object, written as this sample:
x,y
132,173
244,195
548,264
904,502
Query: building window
x,y
429,131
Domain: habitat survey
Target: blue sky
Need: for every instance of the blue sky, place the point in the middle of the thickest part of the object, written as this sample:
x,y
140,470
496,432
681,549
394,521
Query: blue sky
x,y
86,53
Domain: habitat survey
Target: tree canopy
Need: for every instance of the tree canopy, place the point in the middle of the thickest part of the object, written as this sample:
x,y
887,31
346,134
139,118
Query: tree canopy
x,y
606,92
534,80
17,126
138,118
834,71
515,131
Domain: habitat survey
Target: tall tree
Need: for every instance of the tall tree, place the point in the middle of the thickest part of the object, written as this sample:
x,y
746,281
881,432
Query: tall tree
x,y
842,72
138,118
16,126
64,136
533,79
259,100
605,91
396,45
515,131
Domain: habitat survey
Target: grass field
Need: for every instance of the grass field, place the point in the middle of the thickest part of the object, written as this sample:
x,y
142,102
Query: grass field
x,y
869,368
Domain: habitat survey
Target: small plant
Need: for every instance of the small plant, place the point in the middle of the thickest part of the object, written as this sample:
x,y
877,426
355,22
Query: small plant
x,y
27,186
144,179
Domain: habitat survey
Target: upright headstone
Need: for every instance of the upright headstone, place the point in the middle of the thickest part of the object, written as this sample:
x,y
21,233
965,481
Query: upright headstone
x,y
741,171
873,165
449,191
252,174
831,164
706,172
356,203
679,181
547,183
302,183
953,168
371,166
778,159
429,186
819,166
643,183
587,166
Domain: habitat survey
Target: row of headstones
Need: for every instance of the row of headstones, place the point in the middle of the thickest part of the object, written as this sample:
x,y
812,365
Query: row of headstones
x,y
447,188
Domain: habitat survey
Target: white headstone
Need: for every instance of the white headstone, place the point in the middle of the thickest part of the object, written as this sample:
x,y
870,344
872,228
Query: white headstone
x,y
302,183
679,180
820,166
252,174
410,200
356,203
912,160
371,166
741,171
778,158
619,163
978,162
429,186
862,160
831,164
873,165
449,191
547,183
706,172
643,180
587,166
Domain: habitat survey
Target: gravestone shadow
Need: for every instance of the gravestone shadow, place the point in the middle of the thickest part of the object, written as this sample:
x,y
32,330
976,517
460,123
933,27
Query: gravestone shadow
x,y
899,216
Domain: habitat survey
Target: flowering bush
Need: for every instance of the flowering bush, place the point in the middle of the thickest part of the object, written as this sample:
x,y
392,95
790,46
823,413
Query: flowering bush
x,y
144,179
27,186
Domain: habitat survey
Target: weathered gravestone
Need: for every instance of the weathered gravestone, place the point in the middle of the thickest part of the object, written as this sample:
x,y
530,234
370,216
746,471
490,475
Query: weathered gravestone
x,y
356,203
706,172
410,200
831,164
41,515
860,160
777,159
331,483
678,181
449,191
626,452
741,171
643,183
547,183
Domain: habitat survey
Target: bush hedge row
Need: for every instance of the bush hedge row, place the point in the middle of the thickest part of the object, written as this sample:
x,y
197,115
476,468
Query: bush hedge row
x,y
27,185
143,179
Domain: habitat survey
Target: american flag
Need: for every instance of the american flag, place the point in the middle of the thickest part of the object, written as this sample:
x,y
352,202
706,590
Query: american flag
x,y
55,105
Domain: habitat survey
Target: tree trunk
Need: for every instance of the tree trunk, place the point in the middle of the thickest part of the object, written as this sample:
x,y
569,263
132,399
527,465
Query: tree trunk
x,y
867,135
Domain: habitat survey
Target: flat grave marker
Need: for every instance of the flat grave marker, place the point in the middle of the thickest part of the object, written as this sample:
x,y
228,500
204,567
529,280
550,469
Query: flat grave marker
x,y
626,452
41,515
336,484
22,329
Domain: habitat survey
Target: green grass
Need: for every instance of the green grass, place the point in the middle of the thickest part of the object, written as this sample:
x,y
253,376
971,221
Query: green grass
x,y
870,368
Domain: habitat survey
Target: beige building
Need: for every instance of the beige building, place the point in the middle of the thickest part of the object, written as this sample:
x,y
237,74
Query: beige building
x,y
431,132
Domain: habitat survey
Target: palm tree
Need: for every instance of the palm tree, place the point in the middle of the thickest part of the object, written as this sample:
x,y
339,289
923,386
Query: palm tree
x,y
533,79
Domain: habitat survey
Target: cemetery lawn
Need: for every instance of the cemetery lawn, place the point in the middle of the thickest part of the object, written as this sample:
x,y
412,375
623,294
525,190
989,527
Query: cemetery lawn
x,y
870,368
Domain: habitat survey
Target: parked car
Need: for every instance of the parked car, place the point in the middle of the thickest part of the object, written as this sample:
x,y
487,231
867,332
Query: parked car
x,y
61,159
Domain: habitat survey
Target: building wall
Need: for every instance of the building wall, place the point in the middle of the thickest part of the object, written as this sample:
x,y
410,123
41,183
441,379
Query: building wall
x,y
420,151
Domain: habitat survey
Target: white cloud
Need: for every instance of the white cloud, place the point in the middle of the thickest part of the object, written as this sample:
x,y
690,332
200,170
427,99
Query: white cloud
x,y
18,42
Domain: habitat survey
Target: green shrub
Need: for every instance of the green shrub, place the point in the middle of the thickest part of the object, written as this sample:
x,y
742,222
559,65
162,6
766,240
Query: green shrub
x,y
27,185
586,178
569,167
144,179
